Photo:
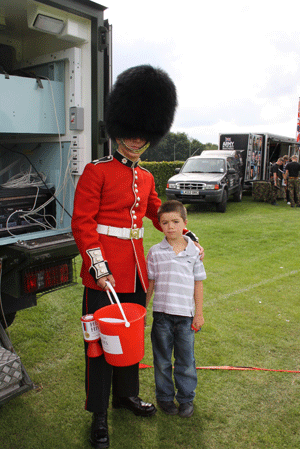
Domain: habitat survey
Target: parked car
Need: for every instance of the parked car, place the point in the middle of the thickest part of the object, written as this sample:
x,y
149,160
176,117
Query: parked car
x,y
209,178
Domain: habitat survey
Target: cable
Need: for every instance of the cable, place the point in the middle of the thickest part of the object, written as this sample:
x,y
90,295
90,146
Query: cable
x,y
24,179
234,368
67,177
67,172
58,130
22,154
27,216
65,180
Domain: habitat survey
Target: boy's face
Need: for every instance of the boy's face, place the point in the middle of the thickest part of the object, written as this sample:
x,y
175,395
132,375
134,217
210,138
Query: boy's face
x,y
172,225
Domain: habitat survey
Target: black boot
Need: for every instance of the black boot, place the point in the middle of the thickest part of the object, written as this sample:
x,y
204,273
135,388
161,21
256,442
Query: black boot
x,y
99,431
135,405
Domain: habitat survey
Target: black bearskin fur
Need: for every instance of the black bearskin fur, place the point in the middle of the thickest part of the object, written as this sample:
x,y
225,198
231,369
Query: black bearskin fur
x,y
142,104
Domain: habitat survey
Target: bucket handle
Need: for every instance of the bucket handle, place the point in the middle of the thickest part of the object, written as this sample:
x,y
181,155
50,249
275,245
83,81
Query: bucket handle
x,y
127,324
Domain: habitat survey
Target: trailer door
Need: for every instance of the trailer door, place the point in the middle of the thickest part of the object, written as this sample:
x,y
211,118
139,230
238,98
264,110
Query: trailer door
x,y
254,158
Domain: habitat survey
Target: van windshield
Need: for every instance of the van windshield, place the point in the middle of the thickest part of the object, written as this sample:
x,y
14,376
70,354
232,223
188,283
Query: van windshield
x,y
204,165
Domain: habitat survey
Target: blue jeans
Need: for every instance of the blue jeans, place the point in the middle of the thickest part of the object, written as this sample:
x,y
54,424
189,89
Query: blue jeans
x,y
168,332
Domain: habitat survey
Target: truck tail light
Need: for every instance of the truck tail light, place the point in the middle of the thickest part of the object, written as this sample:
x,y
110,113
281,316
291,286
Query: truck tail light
x,y
217,186
30,283
47,277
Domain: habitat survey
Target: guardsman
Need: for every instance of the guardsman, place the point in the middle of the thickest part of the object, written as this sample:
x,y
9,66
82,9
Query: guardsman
x,y
112,197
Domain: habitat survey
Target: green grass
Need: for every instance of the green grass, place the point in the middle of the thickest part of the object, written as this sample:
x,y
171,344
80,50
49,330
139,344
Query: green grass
x,y
252,318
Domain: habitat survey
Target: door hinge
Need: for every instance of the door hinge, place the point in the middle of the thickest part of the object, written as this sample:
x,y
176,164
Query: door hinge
x,y
102,132
102,38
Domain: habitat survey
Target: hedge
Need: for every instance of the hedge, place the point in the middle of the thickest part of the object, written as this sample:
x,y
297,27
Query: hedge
x,y
162,171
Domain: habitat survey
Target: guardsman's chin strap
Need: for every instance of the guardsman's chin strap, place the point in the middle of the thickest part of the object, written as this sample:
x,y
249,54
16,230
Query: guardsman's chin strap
x,y
139,151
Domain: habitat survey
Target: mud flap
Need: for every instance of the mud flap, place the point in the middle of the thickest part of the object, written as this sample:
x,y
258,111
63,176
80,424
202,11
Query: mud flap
x,y
14,379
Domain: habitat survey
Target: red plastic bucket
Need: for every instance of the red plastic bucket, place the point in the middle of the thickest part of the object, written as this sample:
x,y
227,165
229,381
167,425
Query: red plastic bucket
x,y
122,345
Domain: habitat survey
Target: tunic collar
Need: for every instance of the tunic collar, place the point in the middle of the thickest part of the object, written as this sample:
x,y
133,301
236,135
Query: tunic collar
x,y
125,161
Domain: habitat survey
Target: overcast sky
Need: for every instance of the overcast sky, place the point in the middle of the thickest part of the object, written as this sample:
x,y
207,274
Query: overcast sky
x,y
235,63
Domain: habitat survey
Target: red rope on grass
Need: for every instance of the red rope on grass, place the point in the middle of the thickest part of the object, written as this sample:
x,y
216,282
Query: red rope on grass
x,y
235,368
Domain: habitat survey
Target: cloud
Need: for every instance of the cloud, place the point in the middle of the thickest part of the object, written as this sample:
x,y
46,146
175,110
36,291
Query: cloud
x,y
143,52
241,112
234,63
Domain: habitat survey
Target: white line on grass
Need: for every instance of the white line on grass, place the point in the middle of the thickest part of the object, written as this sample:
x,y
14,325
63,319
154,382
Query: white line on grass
x,y
252,286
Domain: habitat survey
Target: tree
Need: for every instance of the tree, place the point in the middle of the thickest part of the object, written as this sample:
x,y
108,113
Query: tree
x,y
176,146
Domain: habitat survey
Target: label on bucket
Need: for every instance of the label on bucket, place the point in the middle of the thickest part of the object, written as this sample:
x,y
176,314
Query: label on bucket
x,y
111,344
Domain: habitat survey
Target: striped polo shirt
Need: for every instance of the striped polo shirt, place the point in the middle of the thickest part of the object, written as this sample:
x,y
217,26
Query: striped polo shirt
x,y
174,276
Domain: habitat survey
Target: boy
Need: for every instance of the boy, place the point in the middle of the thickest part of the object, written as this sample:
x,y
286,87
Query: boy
x,y
175,273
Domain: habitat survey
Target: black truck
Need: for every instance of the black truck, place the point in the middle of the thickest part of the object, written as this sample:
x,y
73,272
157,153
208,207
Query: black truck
x,y
209,178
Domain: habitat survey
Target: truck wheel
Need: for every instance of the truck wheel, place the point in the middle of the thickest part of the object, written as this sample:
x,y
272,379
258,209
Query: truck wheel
x,y
221,207
238,195
9,318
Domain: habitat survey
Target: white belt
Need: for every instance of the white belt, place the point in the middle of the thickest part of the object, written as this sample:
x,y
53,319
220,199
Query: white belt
x,y
121,233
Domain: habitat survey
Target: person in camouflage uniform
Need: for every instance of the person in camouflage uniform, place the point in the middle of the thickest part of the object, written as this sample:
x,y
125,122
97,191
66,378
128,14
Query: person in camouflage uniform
x,y
276,180
292,174
286,160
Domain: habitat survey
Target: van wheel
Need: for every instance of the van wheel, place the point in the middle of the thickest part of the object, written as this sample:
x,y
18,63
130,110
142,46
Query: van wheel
x,y
221,207
238,196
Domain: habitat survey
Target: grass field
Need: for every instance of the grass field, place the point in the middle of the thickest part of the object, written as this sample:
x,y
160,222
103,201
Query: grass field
x,y
252,318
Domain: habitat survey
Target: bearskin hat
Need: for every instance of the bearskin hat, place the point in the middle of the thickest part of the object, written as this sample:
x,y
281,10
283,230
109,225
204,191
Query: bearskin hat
x,y
142,104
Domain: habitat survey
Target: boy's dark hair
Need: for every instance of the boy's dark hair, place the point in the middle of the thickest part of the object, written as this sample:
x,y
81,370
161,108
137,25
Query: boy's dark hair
x,y
172,206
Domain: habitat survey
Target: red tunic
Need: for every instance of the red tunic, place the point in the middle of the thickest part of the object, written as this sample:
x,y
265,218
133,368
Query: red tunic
x,y
113,192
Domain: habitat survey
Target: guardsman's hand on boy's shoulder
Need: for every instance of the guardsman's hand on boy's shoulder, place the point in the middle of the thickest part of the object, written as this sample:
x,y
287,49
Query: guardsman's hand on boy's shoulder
x,y
201,249
195,240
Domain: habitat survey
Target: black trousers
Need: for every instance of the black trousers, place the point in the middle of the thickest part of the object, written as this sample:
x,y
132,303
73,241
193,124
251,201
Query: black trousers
x,y
99,375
